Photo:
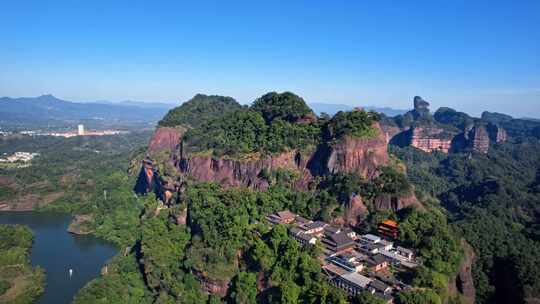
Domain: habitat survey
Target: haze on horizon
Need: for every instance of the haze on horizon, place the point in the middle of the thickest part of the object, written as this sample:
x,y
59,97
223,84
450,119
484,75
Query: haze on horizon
x,y
469,56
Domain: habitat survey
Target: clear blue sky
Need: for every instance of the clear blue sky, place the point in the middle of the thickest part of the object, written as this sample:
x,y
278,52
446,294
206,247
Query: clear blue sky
x,y
471,55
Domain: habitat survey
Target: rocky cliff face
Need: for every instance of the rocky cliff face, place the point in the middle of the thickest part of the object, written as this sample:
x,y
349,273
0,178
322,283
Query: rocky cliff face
x,y
360,155
355,211
449,131
234,173
396,202
211,286
464,280
164,139
496,133
390,132
421,107
430,138
479,139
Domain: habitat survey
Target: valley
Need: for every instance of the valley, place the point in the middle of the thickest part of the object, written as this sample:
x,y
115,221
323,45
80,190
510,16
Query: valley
x,y
215,176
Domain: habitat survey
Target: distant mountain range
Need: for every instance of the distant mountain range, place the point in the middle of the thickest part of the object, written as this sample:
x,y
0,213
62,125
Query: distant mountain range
x,y
48,108
331,109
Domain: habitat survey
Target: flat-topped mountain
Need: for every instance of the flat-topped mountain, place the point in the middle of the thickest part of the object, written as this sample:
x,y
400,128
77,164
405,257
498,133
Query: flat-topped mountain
x,y
276,139
213,138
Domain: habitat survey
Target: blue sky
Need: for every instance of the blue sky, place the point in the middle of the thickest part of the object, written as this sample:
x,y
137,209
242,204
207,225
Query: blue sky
x,y
470,55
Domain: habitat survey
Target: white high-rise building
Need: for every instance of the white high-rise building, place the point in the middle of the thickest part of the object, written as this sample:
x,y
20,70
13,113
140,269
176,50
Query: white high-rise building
x,y
80,130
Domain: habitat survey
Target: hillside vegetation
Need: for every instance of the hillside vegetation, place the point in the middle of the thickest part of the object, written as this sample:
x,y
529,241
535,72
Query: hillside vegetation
x,y
494,202
20,283
274,123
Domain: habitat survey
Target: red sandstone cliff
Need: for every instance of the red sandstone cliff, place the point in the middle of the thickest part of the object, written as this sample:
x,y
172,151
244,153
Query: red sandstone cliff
x,y
396,202
463,283
233,173
447,131
164,139
479,139
360,155
355,211
430,138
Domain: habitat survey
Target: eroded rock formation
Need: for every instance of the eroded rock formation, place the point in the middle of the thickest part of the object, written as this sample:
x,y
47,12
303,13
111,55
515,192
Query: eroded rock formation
x,y
164,139
430,138
464,279
479,139
355,211
396,202
210,285
360,155
447,131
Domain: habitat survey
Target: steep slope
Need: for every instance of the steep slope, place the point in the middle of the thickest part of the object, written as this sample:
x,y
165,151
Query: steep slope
x,y
242,147
447,131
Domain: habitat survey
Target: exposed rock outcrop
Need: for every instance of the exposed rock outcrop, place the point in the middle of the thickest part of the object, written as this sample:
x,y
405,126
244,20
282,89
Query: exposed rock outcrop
x,y
496,133
396,202
233,173
355,211
210,285
447,131
360,155
479,139
464,280
390,132
164,139
80,224
430,138
421,107
147,180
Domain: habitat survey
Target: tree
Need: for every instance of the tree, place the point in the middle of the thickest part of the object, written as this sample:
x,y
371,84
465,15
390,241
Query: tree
x,y
367,298
419,297
244,288
286,106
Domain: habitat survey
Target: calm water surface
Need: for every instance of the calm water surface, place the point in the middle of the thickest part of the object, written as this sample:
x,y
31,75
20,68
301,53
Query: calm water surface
x,y
57,250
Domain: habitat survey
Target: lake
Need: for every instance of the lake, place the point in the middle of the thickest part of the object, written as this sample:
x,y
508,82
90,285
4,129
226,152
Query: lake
x,y
57,250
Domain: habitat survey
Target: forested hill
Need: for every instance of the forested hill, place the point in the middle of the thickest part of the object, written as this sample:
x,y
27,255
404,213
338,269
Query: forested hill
x,y
219,169
494,201
214,170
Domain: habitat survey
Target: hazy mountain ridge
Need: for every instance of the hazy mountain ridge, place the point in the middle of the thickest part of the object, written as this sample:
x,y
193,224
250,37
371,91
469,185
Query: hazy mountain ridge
x,y
48,107
331,109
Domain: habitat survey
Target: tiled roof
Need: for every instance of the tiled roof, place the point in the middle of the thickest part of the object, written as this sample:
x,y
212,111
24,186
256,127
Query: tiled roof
x,y
377,259
315,225
357,279
286,214
340,239
378,285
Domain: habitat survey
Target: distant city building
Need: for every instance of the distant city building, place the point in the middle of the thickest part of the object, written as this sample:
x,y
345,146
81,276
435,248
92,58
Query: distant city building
x,y
20,157
80,130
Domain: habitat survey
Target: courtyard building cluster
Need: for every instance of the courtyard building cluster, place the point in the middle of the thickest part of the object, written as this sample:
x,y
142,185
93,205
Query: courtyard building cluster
x,y
355,263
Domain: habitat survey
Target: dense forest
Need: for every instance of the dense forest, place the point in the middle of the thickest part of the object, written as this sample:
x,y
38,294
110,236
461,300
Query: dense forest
x,y
493,201
20,283
276,122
